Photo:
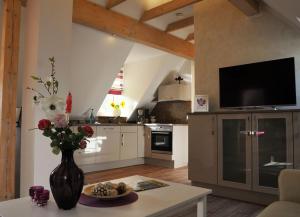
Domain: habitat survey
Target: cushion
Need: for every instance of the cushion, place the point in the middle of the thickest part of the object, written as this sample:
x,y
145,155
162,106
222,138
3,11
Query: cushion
x,y
281,209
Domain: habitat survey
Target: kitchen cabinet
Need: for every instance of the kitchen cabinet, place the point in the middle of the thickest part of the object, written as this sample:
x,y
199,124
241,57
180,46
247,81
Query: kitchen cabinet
x,y
109,145
112,144
141,141
202,151
129,147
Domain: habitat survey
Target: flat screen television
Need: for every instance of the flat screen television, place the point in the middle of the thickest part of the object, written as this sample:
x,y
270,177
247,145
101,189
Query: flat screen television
x,y
269,83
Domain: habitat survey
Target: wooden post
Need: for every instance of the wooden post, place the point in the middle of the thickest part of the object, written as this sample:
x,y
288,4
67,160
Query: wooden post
x,y
8,93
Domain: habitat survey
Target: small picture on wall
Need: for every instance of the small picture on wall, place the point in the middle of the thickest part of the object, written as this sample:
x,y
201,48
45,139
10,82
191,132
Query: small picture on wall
x,y
201,103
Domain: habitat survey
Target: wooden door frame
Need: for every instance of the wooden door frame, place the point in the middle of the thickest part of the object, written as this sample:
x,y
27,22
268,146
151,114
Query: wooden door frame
x,y
9,59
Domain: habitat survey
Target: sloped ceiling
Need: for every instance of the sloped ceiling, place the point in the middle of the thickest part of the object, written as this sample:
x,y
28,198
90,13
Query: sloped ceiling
x,y
287,9
135,9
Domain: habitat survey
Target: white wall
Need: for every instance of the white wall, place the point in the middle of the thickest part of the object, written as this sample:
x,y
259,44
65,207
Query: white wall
x,y
96,59
142,78
48,33
231,38
87,62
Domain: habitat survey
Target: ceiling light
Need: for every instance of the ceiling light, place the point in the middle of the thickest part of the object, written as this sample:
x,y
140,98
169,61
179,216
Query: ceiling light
x,y
298,18
179,14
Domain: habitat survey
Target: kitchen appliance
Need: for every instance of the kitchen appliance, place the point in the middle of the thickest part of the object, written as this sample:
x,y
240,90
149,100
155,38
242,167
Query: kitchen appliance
x,y
161,138
269,83
141,115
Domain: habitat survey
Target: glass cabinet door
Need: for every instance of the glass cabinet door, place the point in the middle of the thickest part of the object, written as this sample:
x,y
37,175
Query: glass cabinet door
x,y
272,149
234,145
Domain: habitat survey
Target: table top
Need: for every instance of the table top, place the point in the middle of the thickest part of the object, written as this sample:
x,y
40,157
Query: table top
x,y
150,203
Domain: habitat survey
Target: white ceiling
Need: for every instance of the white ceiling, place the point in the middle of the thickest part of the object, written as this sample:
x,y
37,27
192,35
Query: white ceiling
x,y
288,9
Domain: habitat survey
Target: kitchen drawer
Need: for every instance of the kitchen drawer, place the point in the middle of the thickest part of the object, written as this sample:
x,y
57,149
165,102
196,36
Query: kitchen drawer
x,y
114,129
129,129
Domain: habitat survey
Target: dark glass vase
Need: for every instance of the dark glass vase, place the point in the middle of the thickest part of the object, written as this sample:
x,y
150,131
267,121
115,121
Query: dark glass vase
x,y
66,182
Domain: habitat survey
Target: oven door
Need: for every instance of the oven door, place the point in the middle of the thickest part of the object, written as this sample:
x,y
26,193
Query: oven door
x,y
161,142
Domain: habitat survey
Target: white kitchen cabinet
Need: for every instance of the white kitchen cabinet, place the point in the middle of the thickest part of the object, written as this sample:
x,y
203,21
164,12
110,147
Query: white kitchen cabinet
x,y
129,143
109,146
141,141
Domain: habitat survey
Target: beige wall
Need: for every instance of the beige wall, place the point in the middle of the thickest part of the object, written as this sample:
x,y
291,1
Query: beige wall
x,y
224,37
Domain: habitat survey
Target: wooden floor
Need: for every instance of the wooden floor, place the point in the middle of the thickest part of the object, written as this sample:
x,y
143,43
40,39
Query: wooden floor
x,y
216,206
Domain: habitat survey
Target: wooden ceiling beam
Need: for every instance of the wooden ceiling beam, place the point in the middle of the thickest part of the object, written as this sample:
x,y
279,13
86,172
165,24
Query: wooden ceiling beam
x,y
166,8
97,17
248,7
180,24
190,37
112,3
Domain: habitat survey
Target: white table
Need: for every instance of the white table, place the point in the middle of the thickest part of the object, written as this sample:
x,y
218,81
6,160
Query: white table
x,y
172,201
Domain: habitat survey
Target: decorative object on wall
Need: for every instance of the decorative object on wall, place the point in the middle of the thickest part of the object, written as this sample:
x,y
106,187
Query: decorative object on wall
x,y
66,180
178,79
201,103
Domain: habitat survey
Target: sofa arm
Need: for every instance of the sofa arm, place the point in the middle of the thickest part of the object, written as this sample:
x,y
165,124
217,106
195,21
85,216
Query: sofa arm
x,y
289,185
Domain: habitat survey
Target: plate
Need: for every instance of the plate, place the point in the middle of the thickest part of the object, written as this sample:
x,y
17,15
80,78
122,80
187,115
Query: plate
x,y
89,189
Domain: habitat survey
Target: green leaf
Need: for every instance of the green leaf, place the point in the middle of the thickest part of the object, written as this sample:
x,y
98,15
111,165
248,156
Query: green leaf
x,y
35,78
55,150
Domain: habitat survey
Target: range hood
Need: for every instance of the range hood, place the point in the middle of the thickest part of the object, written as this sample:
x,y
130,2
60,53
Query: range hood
x,y
174,92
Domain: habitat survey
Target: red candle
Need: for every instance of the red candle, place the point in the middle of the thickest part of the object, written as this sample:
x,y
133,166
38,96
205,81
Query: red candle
x,y
69,103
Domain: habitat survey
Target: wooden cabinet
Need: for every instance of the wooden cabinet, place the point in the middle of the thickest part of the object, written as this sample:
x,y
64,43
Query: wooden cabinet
x,y
202,150
129,143
296,131
247,151
234,151
272,140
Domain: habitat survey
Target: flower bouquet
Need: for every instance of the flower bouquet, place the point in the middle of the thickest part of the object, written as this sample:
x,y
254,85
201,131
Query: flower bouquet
x,y
66,180
117,108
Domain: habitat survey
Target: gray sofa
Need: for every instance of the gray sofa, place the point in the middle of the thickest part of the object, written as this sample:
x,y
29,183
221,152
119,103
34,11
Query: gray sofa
x,y
289,196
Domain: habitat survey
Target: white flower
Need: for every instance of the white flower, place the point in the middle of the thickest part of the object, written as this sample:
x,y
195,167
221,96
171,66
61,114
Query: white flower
x,y
52,106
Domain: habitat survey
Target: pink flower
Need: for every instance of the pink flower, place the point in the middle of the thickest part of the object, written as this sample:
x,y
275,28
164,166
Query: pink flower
x,y
82,144
44,124
60,121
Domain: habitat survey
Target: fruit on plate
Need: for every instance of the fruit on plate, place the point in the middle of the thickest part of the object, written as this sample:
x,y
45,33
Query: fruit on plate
x,y
121,188
109,189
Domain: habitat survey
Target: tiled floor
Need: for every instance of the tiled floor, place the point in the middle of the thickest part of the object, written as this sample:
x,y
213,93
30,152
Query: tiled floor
x,y
217,206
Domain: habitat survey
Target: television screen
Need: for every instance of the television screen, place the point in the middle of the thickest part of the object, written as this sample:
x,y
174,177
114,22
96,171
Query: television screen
x,y
270,83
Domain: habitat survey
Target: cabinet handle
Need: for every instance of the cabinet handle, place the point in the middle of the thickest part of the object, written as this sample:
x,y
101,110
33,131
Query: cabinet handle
x,y
122,140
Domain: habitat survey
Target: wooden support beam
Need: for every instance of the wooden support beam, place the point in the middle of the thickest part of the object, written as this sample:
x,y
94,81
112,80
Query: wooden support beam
x,y
97,17
166,8
112,3
180,24
248,7
8,95
190,37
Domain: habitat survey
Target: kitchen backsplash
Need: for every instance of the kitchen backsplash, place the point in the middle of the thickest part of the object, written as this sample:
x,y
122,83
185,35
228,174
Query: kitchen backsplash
x,y
172,112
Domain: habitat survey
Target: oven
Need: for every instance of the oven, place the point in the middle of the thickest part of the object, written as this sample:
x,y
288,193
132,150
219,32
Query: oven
x,y
161,138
